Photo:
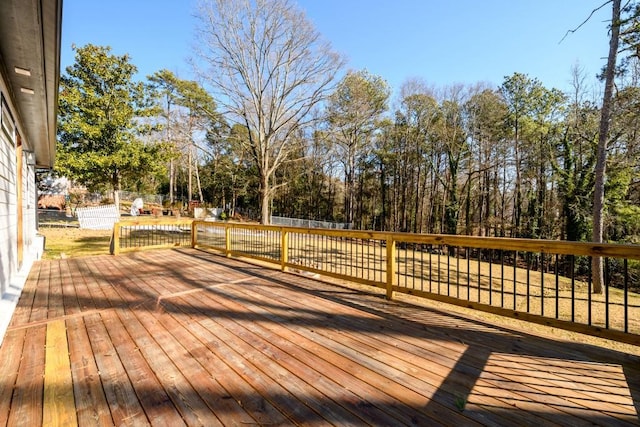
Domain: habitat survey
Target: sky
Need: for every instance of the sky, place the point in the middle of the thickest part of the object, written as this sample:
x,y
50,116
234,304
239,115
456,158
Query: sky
x,y
440,42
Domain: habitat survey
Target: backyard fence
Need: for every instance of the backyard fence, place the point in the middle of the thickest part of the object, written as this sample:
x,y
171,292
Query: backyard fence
x,y
130,196
308,223
98,217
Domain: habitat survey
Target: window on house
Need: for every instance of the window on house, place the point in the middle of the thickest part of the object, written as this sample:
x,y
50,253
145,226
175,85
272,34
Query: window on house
x,y
8,125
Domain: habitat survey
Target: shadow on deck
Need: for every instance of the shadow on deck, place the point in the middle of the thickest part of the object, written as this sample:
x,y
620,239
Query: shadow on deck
x,y
177,337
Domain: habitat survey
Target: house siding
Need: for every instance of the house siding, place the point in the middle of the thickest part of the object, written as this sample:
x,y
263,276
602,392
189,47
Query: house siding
x,y
13,272
30,35
8,211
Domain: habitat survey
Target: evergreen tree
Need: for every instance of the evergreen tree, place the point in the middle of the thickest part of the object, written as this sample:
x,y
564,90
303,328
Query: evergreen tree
x,y
102,113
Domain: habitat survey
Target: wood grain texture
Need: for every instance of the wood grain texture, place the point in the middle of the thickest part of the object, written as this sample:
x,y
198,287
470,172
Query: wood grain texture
x,y
59,407
185,337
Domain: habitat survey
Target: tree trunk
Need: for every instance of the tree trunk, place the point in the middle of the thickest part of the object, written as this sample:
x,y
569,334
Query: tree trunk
x,y
517,206
451,208
601,160
349,186
198,183
189,159
467,209
383,195
172,182
116,191
503,207
264,199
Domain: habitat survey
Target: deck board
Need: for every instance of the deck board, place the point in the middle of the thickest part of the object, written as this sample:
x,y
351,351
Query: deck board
x,y
184,337
10,357
59,404
87,386
120,395
27,398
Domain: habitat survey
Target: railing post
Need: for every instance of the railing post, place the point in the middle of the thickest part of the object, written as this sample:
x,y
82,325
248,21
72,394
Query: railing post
x,y
227,240
391,265
284,249
194,234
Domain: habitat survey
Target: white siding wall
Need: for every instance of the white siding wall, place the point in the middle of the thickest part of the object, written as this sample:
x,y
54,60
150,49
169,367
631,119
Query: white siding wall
x,y
12,275
8,219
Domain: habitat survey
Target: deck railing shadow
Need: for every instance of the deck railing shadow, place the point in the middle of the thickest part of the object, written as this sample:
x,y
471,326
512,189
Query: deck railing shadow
x,y
546,282
405,322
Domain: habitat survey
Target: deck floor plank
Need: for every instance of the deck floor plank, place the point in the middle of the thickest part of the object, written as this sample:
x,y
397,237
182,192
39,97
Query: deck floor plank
x,y
73,288
234,404
91,403
174,337
298,379
229,406
145,362
322,405
237,386
334,381
380,374
22,312
27,399
136,356
59,408
233,351
219,398
11,354
55,298
255,342
159,350
121,397
294,309
40,301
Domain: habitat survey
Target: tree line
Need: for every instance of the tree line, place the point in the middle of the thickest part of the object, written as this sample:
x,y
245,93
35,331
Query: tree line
x,y
512,161
272,127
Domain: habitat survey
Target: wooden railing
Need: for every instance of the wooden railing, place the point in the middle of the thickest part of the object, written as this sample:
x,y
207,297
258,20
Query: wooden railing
x,y
140,233
541,281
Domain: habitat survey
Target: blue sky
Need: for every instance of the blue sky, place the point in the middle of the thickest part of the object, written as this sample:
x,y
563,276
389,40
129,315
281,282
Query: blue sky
x,y
441,42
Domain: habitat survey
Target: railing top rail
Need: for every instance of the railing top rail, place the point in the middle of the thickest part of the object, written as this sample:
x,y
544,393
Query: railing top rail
x,y
498,243
561,247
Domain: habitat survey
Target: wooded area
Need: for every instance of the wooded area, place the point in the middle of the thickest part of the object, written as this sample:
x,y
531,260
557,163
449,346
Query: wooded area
x,y
513,160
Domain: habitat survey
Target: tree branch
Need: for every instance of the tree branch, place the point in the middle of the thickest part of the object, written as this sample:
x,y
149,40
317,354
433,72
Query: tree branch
x,y
585,21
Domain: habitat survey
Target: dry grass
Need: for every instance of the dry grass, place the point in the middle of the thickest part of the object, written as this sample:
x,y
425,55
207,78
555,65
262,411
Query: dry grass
x,y
72,242
520,289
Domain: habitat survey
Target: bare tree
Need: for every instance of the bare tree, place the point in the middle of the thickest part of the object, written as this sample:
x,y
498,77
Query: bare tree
x,y
269,68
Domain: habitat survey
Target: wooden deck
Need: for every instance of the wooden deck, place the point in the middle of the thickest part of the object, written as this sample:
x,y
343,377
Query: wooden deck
x,y
183,337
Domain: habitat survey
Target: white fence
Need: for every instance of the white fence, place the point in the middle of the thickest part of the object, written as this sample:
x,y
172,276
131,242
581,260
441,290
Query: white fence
x,y
308,223
98,217
130,196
